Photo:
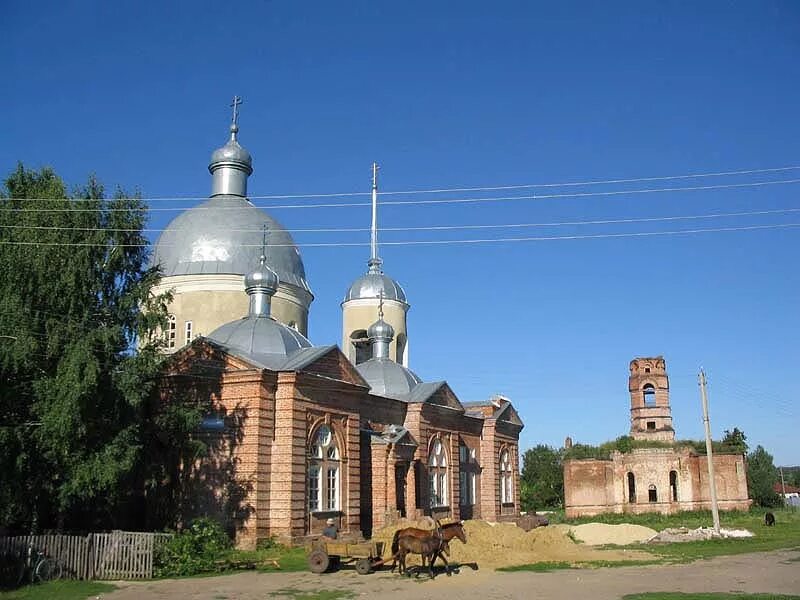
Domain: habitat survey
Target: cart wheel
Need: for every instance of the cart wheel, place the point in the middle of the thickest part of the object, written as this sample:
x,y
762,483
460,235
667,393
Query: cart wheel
x,y
363,566
318,561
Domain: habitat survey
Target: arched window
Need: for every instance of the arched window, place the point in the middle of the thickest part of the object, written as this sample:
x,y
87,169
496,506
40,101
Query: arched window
x,y
506,479
649,394
631,488
361,349
437,471
652,494
324,471
673,485
172,331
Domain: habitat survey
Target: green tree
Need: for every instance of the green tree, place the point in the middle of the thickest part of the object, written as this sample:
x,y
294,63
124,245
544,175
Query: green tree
x,y
75,301
761,478
735,440
542,480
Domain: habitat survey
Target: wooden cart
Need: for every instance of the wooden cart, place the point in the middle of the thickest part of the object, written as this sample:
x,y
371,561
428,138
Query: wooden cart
x,y
366,555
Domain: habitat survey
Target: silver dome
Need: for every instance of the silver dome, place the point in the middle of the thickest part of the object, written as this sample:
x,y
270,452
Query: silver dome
x,y
261,337
388,378
231,152
263,279
223,235
370,285
380,329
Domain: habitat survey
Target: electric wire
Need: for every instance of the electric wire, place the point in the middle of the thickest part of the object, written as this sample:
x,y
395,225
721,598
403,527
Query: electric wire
x,y
420,202
445,190
438,227
447,242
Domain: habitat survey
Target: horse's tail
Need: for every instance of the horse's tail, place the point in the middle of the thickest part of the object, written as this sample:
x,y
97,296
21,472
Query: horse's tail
x,y
395,544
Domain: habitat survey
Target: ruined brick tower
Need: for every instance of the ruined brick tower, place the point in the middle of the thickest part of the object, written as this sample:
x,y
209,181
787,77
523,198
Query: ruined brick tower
x,y
651,416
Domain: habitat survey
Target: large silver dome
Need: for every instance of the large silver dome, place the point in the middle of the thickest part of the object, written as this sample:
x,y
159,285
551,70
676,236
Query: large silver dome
x,y
224,235
388,378
261,337
372,284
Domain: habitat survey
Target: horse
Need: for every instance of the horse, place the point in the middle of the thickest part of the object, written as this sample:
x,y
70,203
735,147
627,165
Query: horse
x,y
429,546
448,532
769,519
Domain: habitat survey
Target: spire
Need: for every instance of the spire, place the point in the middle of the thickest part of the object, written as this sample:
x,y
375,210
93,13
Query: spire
x,y
231,165
380,333
374,262
261,284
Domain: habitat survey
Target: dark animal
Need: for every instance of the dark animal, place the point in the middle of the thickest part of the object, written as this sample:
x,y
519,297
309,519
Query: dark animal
x,y
769,519
428,547
448,531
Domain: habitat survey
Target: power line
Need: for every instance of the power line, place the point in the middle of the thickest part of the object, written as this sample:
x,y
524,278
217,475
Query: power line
x,y
438,227
424,202
459,189
448,242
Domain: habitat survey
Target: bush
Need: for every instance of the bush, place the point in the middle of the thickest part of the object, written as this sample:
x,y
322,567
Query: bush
x,y
194,550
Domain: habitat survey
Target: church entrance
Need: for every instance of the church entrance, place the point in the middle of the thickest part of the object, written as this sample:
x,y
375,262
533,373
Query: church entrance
x,y
400,474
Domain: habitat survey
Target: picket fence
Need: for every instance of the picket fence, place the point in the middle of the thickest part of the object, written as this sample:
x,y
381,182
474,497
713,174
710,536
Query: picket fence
x,y
115,555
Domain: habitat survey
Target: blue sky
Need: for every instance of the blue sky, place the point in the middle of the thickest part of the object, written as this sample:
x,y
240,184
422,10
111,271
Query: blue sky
x,y
473,95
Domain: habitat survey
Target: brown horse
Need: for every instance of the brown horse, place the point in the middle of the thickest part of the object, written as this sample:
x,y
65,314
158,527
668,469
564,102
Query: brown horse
x,y
428,547
448,532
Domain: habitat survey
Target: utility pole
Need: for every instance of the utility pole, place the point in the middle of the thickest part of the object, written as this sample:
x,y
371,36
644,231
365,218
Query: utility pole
x,y
712,484
783,485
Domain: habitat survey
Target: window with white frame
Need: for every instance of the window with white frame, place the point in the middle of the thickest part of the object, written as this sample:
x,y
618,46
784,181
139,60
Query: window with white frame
x,y
506,478
437,470
188,332
324,471
172,331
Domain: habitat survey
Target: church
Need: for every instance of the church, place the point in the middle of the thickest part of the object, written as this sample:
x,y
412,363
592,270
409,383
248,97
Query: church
x,y
296,433
660,475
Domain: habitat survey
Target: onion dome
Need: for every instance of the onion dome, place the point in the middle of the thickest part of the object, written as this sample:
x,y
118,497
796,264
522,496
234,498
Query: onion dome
x,y
218,236
258,334
375,283
263,279
232,155
381,331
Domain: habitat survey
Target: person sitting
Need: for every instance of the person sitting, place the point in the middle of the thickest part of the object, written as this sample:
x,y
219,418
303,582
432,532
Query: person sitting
x,y
330,531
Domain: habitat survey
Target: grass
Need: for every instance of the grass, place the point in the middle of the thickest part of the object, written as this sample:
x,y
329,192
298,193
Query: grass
x,y
58,590
707,596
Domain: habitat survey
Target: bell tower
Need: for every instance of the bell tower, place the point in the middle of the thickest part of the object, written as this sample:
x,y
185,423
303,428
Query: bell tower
x,y
651,415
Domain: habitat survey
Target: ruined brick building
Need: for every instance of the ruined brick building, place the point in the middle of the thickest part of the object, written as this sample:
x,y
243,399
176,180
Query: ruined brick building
x,y
665,477
299,433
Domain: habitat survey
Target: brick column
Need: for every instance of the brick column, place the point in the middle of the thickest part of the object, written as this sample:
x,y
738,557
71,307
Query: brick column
x,y
411,490
289,469
379,485
490,485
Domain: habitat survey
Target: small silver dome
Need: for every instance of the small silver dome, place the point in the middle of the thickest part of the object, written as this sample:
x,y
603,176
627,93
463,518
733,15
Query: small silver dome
x,y
388,378
263,278
370,285
230,153
260,337
223,235
380,329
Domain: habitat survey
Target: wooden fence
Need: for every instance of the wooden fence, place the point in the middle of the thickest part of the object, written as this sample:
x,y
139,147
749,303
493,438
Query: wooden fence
x,y
115,555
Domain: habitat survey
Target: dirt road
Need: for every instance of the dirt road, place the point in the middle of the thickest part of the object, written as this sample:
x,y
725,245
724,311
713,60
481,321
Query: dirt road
x,y
769,572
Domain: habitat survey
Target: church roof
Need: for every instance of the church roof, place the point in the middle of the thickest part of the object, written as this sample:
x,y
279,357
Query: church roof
x,y
260,338
388,378
222,235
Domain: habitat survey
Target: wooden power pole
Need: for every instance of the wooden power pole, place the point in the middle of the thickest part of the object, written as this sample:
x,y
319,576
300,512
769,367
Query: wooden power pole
x,y
712,484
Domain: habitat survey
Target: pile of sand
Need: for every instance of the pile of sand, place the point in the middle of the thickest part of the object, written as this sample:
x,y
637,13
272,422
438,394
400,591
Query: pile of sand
x,y
493,545
599,534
